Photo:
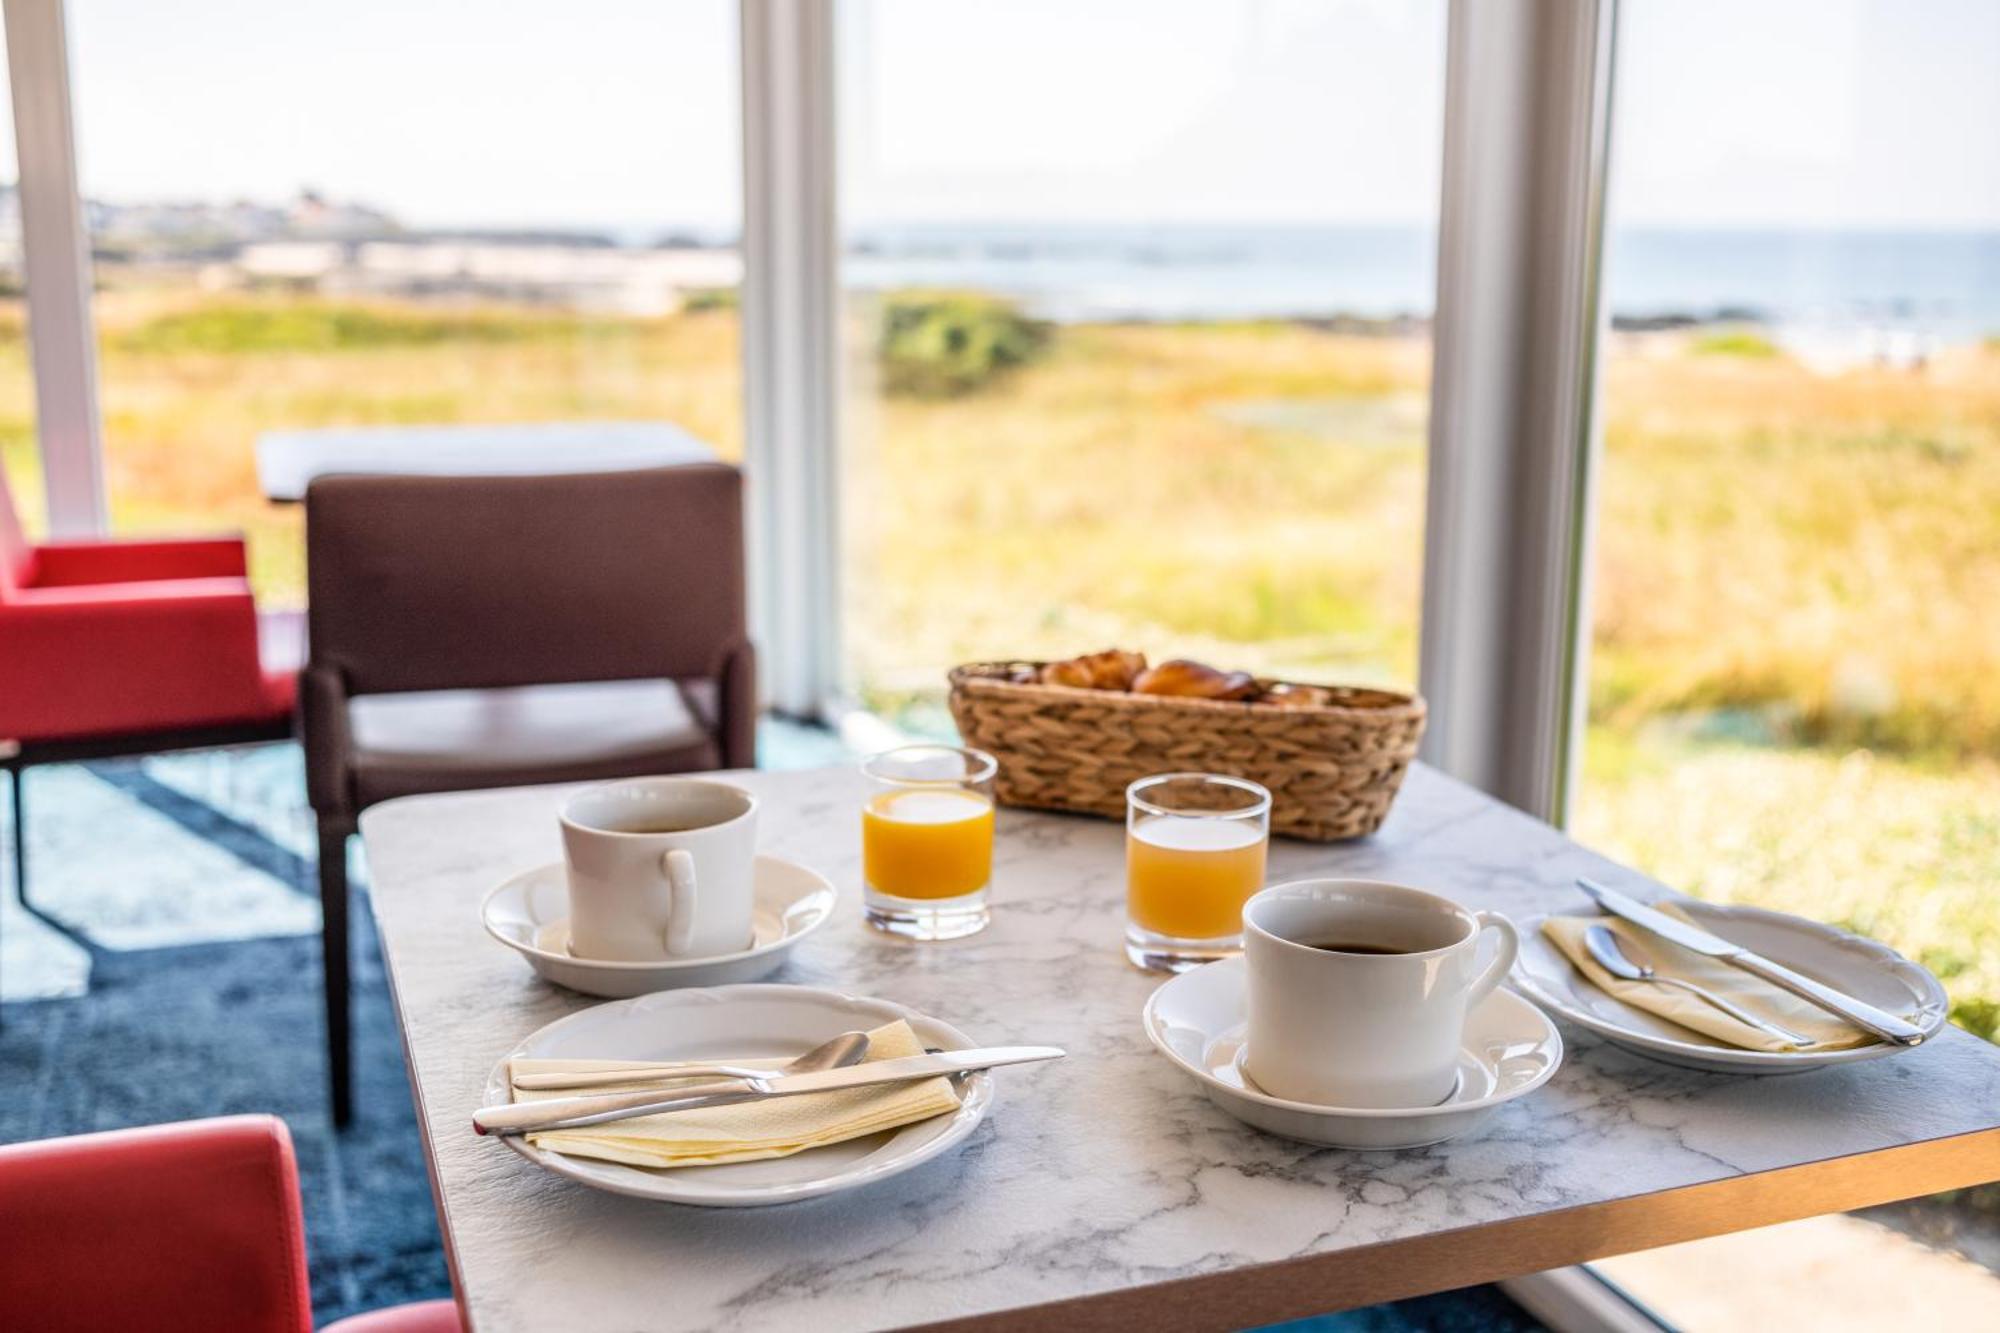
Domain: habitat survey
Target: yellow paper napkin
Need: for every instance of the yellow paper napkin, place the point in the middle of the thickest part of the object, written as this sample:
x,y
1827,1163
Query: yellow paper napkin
x,y
1711,974
748,1131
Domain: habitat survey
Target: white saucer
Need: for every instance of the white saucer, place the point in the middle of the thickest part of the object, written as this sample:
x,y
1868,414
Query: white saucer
x,y
745,1021
530,914
1197,1020
1862,967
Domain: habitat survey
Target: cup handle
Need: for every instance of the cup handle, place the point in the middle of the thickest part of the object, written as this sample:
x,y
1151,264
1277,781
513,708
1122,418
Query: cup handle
x,y
678,866
1503,958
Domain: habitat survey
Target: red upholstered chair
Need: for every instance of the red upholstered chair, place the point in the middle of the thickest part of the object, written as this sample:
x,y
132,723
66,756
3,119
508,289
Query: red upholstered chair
x,y
114,648
191,1227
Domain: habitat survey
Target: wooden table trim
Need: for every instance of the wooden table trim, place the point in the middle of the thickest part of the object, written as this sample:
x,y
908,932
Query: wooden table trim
x,y
1394,1270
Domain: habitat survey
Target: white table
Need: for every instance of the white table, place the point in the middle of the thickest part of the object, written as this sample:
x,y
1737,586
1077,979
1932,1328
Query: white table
x,y
1104,1191
288,460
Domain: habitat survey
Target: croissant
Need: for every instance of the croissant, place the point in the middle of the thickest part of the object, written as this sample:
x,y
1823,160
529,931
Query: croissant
x,y
1074,673
1116,670
1108,670
1195,680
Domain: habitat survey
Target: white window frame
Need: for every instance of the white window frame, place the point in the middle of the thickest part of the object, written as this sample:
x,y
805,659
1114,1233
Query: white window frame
x,y
791,349
55,243
1514,429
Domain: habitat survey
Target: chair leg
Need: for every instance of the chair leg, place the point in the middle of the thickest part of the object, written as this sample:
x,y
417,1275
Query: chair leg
x,y
20,797
333,944
19,830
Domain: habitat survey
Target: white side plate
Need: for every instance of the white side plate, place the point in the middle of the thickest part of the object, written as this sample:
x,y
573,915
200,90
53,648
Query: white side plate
x,y
1862,967
727,1022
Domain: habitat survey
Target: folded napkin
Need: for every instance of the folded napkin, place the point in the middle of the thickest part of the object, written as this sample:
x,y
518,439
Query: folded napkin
x,y
1711,974
746,1131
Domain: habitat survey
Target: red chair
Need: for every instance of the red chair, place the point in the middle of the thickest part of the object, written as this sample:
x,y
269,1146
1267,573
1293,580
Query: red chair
x,y
193,1227
111,648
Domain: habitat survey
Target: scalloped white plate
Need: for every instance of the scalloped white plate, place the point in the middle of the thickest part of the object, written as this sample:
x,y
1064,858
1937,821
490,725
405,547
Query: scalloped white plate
x,y
1862,967
745,1022
1197,1020
530,915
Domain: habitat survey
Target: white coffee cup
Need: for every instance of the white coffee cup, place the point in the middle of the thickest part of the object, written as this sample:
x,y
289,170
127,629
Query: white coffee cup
x,y
1361,1029
660,868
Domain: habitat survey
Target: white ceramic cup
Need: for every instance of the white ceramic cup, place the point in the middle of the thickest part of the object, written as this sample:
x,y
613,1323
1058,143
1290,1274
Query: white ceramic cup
x,y
1356,1029
660,868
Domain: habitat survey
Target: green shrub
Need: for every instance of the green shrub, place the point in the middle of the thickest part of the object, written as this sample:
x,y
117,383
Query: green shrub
x,y
703,300
1979,1015
1735,342
946,344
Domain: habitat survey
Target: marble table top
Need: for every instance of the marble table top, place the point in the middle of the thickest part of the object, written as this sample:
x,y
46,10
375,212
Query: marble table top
x,y
1106,1190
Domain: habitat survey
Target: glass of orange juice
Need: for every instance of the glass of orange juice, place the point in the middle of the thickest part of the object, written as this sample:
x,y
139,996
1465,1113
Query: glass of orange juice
x,y
927,841
1194,853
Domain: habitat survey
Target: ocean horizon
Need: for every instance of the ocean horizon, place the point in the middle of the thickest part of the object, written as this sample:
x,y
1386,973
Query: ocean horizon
x,y
1941,286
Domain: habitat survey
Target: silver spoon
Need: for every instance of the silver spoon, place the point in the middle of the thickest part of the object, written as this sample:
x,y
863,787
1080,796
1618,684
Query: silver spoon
x,y
839,1053
1626,961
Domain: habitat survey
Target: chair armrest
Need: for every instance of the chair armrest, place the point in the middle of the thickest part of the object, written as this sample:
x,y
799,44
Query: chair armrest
x,y
183,1226
113,659
64,564
329,746
737,705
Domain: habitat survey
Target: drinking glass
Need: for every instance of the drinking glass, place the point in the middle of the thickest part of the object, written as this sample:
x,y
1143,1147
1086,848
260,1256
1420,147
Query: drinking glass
x,y
927,841
1194,853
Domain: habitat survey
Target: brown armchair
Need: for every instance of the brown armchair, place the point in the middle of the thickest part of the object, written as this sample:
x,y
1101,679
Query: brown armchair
x,y
498,631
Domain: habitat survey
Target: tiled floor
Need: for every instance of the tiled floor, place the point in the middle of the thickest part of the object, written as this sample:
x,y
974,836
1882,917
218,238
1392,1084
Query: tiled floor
x,y
178,976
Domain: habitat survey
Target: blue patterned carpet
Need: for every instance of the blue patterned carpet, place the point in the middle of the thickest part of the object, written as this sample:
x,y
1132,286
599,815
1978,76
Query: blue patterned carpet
x,y
185,983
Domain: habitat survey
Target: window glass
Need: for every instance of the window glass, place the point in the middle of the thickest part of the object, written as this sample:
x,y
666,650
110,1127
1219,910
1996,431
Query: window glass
x,y
1795,661
389,215
1139,323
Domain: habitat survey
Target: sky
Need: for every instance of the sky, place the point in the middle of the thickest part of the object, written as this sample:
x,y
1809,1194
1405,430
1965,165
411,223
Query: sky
x,y
624,114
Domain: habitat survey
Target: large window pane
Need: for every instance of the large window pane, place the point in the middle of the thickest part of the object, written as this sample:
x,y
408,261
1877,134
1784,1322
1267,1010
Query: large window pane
x,y
1138,295
379,214
1795,679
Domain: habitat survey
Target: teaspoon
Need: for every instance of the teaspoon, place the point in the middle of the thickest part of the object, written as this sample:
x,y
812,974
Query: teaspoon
x,y
1625,960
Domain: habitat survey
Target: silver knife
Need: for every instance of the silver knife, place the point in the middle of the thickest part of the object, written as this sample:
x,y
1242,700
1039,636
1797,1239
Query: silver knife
x,y
578,1112
1863,1015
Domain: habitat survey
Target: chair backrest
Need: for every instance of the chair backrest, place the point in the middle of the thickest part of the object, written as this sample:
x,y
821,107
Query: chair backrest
x,y
17,557
425,583
189,1227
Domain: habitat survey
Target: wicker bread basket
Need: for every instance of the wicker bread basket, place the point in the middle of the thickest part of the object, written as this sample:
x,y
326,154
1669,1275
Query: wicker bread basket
x,y
1332,771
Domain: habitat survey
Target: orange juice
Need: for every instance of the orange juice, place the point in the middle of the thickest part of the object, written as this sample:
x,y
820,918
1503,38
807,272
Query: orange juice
x,y
1189,878
927,844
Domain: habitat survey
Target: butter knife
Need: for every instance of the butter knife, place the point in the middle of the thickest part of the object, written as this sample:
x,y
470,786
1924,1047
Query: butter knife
x,y
1863,1015
579,1112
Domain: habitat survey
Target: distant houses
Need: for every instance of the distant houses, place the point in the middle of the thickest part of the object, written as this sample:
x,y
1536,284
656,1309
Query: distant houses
x,y
316,244
628,280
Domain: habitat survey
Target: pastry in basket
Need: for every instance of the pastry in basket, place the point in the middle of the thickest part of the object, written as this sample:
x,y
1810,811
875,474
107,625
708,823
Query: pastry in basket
x,y
1182,678
1195,680
1109,670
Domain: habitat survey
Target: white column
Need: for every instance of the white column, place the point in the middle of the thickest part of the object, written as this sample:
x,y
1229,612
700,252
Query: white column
x,y
62,339
1527,115
790,348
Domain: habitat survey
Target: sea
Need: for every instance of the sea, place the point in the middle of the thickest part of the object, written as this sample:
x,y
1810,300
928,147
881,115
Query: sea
x,y
1934,287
